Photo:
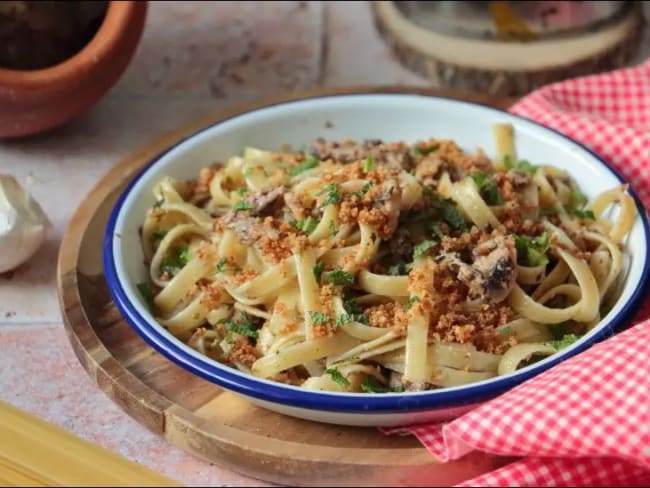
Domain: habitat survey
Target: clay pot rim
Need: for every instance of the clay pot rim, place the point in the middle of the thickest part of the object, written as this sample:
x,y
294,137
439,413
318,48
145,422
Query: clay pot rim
x,y
112,29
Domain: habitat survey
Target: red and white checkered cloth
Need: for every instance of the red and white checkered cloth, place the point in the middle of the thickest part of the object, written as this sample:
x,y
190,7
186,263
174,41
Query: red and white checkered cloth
x,y
585,422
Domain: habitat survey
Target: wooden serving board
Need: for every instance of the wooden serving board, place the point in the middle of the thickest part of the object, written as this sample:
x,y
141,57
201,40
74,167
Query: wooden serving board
x,y
195,414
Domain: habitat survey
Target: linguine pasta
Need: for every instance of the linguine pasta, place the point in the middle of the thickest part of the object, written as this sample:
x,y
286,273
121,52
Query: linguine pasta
x,y
382,267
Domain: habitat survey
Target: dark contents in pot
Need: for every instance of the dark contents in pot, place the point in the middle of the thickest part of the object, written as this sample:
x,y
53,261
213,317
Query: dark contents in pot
x,y
40,34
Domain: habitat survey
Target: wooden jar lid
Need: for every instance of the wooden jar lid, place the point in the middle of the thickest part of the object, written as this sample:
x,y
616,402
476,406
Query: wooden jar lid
x,y
508,67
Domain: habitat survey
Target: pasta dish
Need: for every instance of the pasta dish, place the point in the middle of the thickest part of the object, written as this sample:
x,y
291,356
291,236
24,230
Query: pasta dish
x,y
382,267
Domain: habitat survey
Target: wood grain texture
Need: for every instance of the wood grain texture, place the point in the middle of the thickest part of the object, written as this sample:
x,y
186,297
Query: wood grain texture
x,y
505,68
195,414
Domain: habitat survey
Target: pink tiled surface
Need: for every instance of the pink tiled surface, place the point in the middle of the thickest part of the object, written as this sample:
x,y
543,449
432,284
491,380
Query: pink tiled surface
x,y
194,58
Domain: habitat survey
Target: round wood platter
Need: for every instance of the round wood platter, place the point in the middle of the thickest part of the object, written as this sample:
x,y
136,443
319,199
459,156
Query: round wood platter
x,y
196,415
501,68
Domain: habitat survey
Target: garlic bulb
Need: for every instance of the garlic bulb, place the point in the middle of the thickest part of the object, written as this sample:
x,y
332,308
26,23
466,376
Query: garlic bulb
x,y
22,224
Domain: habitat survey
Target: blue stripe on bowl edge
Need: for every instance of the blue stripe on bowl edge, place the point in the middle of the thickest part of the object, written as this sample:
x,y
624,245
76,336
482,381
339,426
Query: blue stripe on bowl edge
x,y
357,402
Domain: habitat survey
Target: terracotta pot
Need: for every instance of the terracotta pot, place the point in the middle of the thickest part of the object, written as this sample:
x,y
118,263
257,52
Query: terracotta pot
x,y
34,101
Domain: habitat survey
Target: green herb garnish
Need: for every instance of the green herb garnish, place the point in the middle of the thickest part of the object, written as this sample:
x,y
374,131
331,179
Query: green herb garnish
x,y
487,188
363,190
423,151
159,235
373,385
222,265
422,248
532,252
368,164
581,214
411,301
332,229
506,331
307,164
453,216
242,205
347,318
147,294
242,191
319,318
521,165
435,228
350,304
176,261
445,209
563,343
333,195
306,225
337,377
318,271
339,277
400,269
577,199
242,327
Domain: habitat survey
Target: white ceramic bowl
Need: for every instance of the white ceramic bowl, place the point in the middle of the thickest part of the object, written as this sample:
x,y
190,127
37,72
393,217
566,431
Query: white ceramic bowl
x,y
390,117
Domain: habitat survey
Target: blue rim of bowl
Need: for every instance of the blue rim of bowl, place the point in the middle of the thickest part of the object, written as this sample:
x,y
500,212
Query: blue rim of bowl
x,y
279,393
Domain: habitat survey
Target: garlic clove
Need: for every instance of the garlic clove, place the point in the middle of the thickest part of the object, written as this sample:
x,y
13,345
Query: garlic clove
x,y
23,224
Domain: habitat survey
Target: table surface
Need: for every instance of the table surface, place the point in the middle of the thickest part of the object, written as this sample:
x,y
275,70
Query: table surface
x,y
194,58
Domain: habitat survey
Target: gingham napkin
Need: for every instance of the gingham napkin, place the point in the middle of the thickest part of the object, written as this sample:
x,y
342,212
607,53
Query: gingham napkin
x,y
585,422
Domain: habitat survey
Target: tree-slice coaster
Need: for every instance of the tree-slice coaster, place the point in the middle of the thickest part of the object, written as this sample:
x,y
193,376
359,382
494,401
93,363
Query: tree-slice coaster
x,y
493,48
198,416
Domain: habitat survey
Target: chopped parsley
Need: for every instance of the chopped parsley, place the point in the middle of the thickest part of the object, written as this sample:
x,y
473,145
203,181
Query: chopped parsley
x,y
532,251
506,331
307,164
423,151
333,194
411,301
159,235
339,277
400,269
242,191
372,385
147,294
319,318
581,214
577,199
242,327
176,261
354,317
363,190
422,248
306,225
332,229
318,271
435,228
350,304
487,188
222,266
242,205
449,213
248,171
368,164
521,165
563,343
337,377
